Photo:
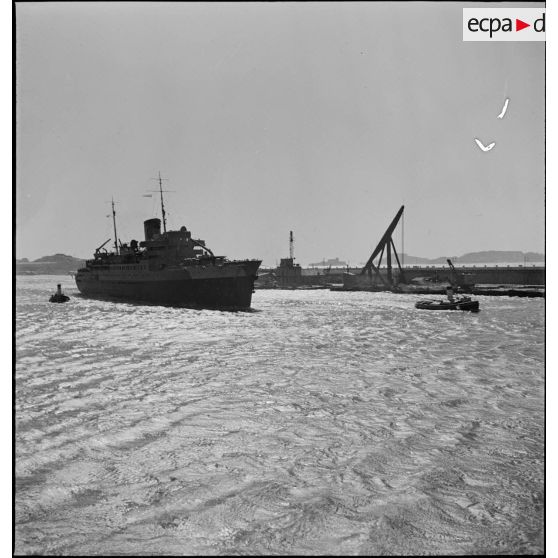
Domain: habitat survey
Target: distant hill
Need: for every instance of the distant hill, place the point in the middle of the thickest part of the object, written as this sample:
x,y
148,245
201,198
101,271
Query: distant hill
x,y
495,256
415,260
485,257
57,264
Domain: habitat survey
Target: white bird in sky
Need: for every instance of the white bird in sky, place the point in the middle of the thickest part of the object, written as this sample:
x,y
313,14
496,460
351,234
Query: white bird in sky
x,y
487,148
501,115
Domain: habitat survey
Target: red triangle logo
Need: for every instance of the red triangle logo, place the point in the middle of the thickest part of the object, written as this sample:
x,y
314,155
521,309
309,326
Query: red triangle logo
x,y
519,25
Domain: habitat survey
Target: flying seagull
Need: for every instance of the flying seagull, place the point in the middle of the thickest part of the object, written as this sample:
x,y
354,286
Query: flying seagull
x,y
487,148
501,115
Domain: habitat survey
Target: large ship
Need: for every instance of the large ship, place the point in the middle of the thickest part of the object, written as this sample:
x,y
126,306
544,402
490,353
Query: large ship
x,y
167,267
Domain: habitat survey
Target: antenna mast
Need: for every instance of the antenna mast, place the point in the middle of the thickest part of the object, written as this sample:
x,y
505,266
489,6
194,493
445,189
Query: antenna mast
x,y
114,224
291,245
162,203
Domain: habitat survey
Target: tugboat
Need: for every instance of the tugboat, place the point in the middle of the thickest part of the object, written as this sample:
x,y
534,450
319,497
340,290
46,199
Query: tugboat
x,y
453,303
169,268
464,303
58,296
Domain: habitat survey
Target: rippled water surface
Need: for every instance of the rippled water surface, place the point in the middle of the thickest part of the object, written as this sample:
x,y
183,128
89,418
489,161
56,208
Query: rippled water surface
x,y
321,422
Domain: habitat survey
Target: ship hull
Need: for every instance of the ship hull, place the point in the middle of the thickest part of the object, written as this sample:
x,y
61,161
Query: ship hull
x,y
228,289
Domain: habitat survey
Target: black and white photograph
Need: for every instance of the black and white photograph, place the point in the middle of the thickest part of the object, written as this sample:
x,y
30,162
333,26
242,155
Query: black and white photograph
x,y
279,278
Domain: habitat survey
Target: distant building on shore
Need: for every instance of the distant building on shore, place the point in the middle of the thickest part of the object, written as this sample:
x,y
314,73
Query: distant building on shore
x,y
335,262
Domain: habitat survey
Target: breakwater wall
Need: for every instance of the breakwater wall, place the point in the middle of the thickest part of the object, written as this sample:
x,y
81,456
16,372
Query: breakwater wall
x,y
489,275
478,275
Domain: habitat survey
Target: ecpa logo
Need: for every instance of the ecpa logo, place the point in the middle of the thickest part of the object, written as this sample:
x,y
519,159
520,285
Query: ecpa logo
x,y
504,24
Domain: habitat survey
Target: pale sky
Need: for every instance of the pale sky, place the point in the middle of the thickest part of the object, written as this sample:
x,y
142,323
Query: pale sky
x,y
317,118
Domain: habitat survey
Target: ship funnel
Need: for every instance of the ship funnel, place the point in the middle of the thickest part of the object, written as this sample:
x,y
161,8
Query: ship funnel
x,y
152,227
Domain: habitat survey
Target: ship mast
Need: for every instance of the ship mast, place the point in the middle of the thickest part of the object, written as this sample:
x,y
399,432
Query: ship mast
x,y
114,224
162,203
291,245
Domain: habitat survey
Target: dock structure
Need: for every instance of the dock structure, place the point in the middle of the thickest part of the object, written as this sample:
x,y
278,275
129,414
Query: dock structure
x,y
370,277
494,280
289,274
389,274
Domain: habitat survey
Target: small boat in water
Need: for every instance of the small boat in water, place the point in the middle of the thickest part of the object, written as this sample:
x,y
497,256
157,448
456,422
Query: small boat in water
x,y
58,296
462,303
